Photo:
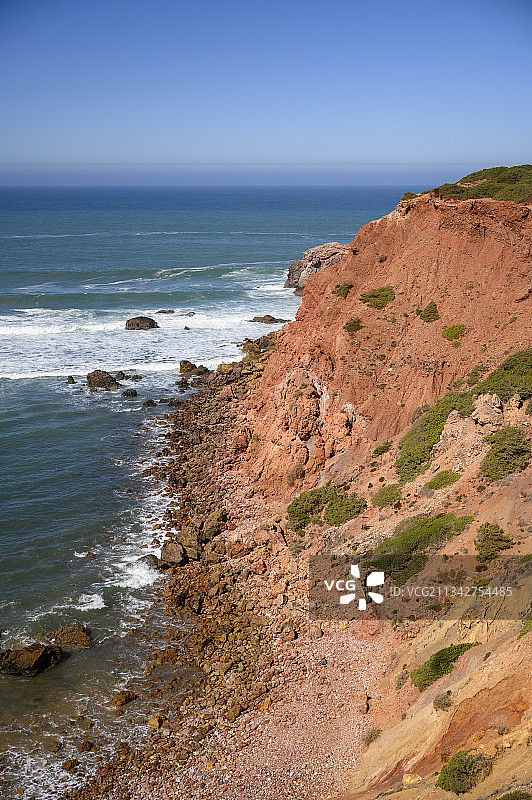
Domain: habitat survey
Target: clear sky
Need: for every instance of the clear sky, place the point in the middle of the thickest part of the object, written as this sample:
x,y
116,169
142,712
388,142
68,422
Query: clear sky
x,y
281,91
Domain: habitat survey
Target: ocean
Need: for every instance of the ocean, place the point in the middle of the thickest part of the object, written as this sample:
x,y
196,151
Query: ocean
x,y
75,265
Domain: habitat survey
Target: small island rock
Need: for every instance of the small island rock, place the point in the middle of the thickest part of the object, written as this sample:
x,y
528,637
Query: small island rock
x,y
140,324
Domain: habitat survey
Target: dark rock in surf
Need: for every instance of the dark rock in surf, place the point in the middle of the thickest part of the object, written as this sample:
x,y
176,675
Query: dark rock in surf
x,y
70,380
149,403
129,393
121,376
140,324
71,637
189,368
165,311
29,661
151,561
187,314
99,379
123,698
267,319
135,377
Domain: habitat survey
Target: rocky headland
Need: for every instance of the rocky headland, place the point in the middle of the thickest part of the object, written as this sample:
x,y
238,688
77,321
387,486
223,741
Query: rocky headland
x,y
393,418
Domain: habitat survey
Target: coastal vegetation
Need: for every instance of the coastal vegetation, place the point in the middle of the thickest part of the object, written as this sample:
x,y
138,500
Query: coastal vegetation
x,y
338,507
491,541
440,663
403,554
509,453
387,496
378,298
499,183
454,332
342,289
353,325
443,479
462,773
429,313
382,448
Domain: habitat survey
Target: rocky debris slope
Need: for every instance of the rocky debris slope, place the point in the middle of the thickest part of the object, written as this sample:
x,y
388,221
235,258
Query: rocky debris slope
x,y
324,255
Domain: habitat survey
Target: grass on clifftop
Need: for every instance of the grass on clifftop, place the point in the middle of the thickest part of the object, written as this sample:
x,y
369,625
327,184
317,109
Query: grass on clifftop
x,y
500,183
439,664
403,554
512,377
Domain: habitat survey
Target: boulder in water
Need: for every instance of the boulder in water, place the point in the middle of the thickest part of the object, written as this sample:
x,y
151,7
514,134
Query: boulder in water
x,y
71,637
29,661
149,403
99,379
70,380
129,393
123,698
140,324
165,311
267,319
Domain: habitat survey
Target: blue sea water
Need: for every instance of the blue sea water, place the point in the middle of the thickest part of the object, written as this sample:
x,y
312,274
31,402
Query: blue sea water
x,y
75,264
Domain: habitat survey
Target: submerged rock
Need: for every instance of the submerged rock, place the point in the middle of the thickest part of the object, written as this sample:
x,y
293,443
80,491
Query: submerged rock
x,y
165,311
149,403
140,324
130,393
99,379
71,637
123,698
29,661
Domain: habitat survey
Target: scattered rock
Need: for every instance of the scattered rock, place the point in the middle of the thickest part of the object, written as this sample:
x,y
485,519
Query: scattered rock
x,y
151,561
140,324
70,380
85,746
71,637
149,403
130,393
99,379
165,311
233,712
188,314
29,661
53,746
70,765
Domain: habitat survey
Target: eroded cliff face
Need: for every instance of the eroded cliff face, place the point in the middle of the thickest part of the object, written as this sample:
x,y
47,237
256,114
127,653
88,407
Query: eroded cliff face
x,y
329,396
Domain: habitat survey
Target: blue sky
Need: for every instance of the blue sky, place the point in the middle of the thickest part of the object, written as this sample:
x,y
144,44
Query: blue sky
x,y
273,92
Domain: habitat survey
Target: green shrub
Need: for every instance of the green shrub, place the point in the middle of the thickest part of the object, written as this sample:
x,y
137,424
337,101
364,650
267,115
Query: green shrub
x,y
491,541
403,554
442,479
371,735
517,795
443,701
429,313
509,453
309,504
387,496
510,322
454,332
417,444
343,508
339,507
513,376
439,664
378,298
528,409
527,626
295,474
382,448
408,196
343,289
353,325
463,772
476,374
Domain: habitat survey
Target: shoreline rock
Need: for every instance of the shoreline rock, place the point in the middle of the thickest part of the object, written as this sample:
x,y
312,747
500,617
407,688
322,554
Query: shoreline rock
x,y
29,661
140,324
100,379
312,261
